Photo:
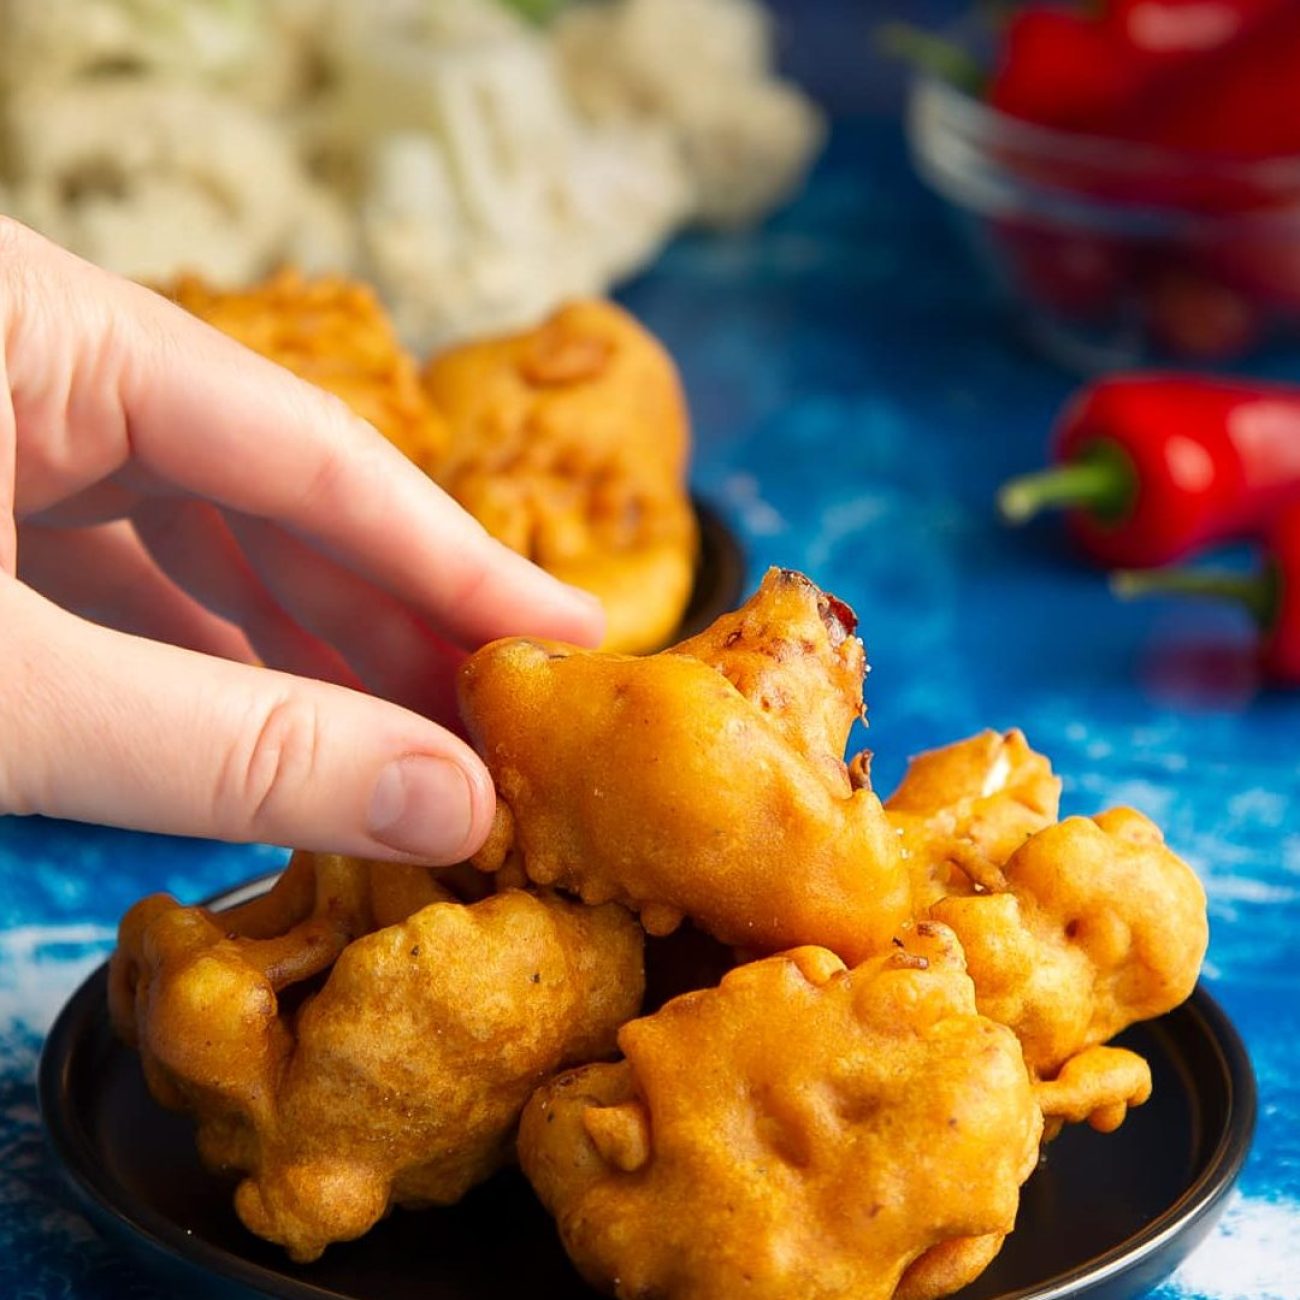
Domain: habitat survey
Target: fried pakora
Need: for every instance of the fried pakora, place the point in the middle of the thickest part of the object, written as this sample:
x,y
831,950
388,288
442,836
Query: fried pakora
x,y
964,809
334,333
289,934
569,443
1097,925
397,1081
1092,925
705,781
800,1130
1072,931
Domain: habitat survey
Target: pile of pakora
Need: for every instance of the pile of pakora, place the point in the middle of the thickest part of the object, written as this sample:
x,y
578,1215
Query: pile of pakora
x,y
568,442
746,1028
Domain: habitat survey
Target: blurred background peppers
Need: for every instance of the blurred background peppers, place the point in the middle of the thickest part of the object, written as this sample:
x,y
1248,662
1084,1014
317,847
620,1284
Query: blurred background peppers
x,y
1206,75
1271,595
1151,468
1127,170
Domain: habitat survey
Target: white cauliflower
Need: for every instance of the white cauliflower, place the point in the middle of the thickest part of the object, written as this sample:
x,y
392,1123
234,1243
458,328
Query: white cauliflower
x,y
703,68
216,43
434,146
486,199
149,178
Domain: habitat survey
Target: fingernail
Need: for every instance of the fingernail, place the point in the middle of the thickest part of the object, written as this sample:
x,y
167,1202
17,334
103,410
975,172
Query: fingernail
x,y
423,806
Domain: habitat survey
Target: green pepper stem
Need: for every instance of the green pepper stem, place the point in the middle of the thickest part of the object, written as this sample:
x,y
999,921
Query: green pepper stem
x,y
1102,484
936,55
1256,592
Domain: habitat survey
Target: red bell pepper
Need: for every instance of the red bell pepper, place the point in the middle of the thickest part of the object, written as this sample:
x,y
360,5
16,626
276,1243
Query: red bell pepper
x,y
1152,466
1271,595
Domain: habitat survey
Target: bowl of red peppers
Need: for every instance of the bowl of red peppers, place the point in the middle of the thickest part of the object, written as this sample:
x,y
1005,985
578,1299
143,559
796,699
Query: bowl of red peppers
x,y
1127,171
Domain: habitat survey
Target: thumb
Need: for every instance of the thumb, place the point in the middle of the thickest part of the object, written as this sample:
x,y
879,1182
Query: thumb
x,y
104,727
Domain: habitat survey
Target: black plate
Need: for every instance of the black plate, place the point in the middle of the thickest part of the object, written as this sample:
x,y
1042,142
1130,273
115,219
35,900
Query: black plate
x,y
719,573
1105,1216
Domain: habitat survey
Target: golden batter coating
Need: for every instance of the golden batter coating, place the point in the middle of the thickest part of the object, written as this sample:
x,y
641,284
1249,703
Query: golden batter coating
x,y
801,1130
334,333
791,652
365,1036
1099,1085
1092,925
399,1080
569,442
1072,931
962,810
287,935
708,787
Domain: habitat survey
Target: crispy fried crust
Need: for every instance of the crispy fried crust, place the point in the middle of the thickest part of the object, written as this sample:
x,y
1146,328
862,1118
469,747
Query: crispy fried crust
x,y
799,1130
1072,930
962,810
1098,1085
331,332
1094,925
659,783
397,1082
291,933
570,444
792,653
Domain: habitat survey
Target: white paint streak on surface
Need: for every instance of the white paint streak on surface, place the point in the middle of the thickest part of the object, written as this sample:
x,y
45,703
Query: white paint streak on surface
x,y
41,965
1253,1254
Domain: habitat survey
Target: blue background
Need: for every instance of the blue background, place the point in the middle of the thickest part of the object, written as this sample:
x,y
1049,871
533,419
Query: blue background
x,y
857,399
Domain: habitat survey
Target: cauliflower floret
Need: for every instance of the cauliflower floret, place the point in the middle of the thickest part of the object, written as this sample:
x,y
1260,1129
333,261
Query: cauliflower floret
x,y
704,69
435,147
146,177
486,200
218,43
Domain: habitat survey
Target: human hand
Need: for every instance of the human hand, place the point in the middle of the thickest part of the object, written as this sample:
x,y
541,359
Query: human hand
x,y
163,481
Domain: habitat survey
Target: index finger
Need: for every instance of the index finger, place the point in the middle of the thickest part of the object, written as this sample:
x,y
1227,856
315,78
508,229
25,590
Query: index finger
x,y
211,418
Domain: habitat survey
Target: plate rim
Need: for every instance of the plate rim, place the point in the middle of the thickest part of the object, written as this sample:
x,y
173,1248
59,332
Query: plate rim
x,y
1197,1208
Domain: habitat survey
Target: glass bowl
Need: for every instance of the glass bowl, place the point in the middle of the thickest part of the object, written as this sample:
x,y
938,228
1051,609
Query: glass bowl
x,y
1114,254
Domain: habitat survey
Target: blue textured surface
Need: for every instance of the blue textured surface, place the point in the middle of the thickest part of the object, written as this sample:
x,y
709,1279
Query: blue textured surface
x,y
856,401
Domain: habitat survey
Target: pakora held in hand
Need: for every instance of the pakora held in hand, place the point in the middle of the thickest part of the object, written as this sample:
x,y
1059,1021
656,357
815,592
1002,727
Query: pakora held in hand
x,y
334,333
964,809
398,1081
569,443
705,781
1093,925
801,1130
